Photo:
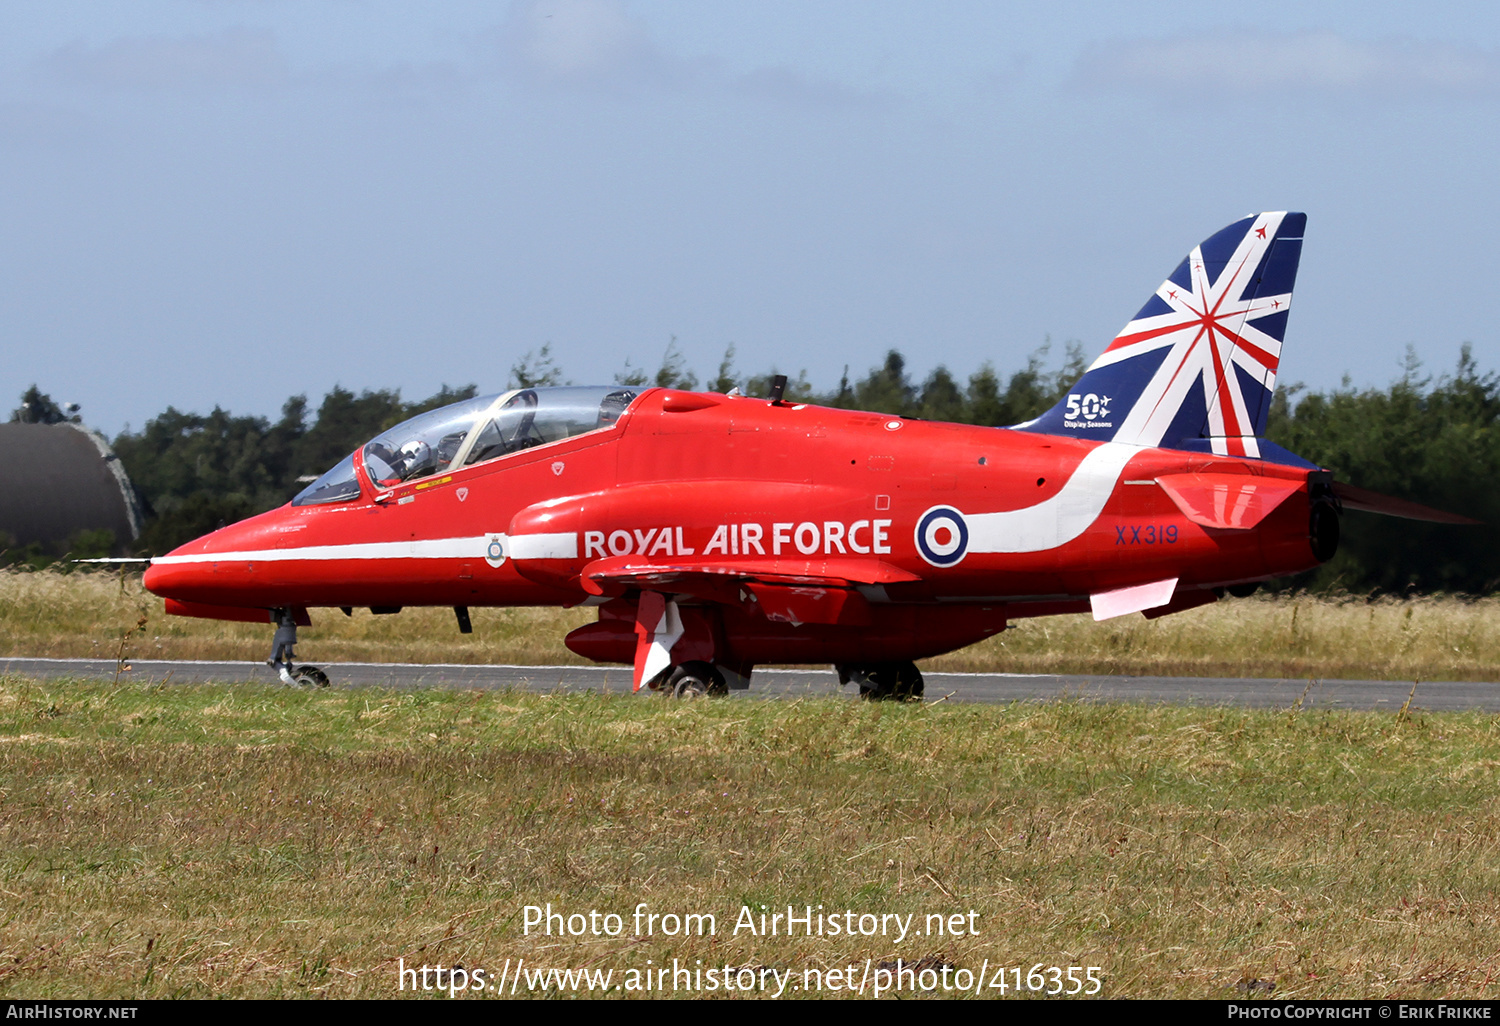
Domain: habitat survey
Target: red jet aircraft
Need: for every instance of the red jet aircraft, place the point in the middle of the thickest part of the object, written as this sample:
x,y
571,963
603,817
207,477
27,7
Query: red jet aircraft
x,y
719,532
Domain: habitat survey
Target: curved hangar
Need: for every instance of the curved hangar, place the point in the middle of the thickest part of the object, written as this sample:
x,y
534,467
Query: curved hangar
x,y
61,479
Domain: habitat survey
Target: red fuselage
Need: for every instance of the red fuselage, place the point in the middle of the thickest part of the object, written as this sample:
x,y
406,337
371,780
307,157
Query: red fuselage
x,y
789,533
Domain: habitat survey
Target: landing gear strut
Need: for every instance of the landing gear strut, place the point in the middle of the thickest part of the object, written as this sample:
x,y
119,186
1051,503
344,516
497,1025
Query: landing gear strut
x,y
282,656
898,682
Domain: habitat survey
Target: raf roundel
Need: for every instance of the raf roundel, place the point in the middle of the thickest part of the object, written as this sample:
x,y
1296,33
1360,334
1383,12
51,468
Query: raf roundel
x,y
942,536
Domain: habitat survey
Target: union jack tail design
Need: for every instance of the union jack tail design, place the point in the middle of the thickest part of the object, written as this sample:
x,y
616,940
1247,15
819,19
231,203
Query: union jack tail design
x,y
1196,367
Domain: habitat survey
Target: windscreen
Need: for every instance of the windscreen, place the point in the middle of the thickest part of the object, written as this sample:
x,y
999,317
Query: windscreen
x,y
338,485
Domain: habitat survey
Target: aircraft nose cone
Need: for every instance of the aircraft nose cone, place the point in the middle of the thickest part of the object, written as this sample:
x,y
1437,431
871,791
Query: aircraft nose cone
x,y
156,579
178,580
203,570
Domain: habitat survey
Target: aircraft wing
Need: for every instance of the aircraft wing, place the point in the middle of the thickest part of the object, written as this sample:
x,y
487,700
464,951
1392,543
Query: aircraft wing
x,y
790,591
614,573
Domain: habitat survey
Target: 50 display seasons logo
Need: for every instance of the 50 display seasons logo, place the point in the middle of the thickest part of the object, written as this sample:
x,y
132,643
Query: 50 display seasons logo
x,y
1087,411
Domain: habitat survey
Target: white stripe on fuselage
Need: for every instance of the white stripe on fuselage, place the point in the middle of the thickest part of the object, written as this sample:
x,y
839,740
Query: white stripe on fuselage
x,y
1060,519
563,545
440,548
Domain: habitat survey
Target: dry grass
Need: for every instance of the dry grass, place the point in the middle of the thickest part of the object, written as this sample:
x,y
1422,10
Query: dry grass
x,y
85,615
1445,638
258,842
1437,638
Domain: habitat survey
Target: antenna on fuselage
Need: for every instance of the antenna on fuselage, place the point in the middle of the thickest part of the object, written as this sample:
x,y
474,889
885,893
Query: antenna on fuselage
x,y
778,388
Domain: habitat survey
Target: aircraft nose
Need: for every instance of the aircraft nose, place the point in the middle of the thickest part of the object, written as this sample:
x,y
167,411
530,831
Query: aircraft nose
x,y
178,580
157,579
171,578
202,570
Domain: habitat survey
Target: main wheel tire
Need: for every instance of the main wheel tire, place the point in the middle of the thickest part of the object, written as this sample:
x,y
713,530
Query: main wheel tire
x,y
889,682
697,679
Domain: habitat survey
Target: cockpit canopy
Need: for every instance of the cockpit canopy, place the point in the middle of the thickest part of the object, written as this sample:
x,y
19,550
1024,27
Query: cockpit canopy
x,y
471,432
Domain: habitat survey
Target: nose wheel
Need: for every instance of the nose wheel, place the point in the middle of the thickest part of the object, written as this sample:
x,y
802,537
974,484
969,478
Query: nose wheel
x,y
309,677
282,655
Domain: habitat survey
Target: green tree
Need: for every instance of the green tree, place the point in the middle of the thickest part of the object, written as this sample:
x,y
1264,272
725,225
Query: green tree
x,y
1432,442
632,376
843,399
673,372
941,398
982,400
727,379
345,422
446,395
887,389
536,369
1030,391
798,390
37,407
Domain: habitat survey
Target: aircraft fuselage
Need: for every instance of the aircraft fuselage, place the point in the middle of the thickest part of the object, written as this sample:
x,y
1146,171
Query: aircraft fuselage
x,y
836,536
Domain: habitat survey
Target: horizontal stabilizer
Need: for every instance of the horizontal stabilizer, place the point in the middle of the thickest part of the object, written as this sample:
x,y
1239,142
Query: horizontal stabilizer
x,y
1373,502
1135,599
1229,502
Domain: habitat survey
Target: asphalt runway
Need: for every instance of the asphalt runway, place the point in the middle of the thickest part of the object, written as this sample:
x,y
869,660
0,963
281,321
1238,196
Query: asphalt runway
x,y
773,683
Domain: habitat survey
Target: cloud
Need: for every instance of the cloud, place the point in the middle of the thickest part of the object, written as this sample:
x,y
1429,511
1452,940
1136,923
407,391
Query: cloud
x,y
1256,63
237,57
597,44
579,37
584,42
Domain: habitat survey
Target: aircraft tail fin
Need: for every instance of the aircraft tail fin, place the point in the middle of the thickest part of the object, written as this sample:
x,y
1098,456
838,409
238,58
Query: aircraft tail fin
x,y
1196,368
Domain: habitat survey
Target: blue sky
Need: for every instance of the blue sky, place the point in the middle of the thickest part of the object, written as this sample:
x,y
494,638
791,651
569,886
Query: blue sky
x,y
229,201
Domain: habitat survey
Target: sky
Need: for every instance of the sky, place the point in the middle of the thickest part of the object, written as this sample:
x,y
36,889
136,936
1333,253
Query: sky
x,y
227,202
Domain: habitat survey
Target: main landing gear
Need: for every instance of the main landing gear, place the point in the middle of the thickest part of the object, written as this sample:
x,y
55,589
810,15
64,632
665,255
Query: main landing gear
x,y
281,655
693,679
898,682
697,680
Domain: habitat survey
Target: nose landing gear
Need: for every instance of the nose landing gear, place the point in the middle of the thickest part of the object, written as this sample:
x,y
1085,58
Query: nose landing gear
x,y
281,654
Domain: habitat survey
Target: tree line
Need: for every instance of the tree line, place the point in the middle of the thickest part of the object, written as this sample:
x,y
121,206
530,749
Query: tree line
x,y
1430,439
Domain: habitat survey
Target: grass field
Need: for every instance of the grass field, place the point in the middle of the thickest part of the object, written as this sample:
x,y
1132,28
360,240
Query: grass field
x,y
267,842
1444,638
